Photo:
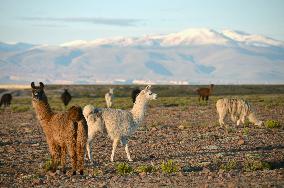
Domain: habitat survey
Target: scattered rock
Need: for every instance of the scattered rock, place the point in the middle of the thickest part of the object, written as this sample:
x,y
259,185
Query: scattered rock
x,y
241,142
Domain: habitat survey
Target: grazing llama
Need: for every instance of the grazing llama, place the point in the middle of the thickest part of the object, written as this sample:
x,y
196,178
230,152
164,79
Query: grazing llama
x,y
66,97
204,93
134,94
239,110
118,124
6,100
109,98
63,131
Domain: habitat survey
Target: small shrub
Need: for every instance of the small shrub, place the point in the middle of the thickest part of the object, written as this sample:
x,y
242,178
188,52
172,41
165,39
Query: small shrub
x,y
253,165
123,169
97,172
246,123
272,124
230,165
48,166
169,167
245,131
146,169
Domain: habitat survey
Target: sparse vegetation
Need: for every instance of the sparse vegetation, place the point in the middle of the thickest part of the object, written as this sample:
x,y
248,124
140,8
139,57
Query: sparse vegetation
x,y
48,165
272,124
255,164
146,169
245,131
169,167
178,128
97,172
230,165
247,123
123,169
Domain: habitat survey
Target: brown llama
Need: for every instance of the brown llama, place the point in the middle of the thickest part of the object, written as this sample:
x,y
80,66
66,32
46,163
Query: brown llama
x,y
204,93
64,132
66,97
6,100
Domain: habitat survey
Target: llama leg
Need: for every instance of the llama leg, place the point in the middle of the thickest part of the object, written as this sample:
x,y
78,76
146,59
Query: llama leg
x,y
233,118
73,157
63,158
127,152
71,146
222,116
124,142
115,142
80,157
55,153
241,118
89,153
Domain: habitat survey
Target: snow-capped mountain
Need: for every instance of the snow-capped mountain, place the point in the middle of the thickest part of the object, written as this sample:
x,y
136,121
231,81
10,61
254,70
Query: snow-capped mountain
x,y
190,56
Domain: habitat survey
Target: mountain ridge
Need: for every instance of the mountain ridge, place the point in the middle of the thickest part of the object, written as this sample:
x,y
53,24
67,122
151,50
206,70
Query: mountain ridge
x,y
196,55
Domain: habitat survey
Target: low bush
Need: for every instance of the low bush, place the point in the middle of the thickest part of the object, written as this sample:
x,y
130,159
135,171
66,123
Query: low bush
x,y
272,124
123,169
146,169
230,165
169,167
253,165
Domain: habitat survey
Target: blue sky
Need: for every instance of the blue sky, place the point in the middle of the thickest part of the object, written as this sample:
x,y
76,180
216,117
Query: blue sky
x,y
59,21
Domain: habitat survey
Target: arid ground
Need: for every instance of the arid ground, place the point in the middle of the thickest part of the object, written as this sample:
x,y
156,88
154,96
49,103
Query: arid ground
x,y
177,129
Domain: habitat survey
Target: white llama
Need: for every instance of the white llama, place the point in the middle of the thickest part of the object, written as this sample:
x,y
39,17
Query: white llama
x,y
118,124
239,110
109,97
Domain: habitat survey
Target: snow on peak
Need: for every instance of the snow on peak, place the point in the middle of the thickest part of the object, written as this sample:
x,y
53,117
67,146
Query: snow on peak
x,y
192,36
252,39
195,36
74,43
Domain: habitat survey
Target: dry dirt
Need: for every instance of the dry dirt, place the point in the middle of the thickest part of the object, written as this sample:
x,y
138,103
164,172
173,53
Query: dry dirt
x,y
189,135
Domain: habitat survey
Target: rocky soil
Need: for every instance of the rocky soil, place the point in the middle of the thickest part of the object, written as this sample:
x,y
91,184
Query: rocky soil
x,y
188,135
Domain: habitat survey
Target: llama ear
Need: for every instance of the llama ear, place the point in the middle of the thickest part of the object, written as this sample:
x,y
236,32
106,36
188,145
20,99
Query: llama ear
x,y
148,87
41,85
33,85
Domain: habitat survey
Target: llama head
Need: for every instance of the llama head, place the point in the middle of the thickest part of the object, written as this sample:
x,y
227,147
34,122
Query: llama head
x,y
38,92
111,90
252,118
147,94
211,85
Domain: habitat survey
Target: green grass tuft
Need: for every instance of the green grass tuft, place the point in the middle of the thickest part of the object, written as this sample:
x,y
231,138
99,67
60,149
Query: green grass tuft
x,y
124,169
169,167
230,165
146,169
272,124
254,164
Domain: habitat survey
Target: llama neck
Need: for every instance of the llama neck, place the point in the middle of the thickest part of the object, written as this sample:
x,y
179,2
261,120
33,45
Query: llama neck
x,y
138,110
210,90
42,109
